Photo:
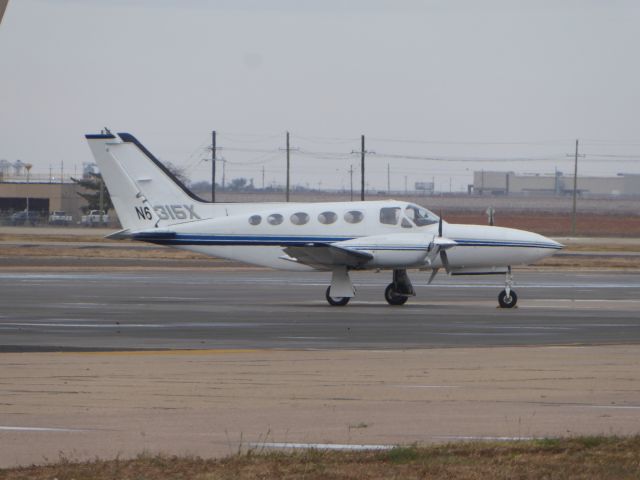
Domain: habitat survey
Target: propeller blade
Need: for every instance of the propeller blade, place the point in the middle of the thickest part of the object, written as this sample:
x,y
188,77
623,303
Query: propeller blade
x,y
445,261
434,272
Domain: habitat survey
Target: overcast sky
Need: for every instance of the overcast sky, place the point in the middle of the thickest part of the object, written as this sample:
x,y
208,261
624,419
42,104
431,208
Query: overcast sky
x,y
461,79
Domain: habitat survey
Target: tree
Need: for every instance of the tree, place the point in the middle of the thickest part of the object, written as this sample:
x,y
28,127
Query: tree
x,y
91,182
178,172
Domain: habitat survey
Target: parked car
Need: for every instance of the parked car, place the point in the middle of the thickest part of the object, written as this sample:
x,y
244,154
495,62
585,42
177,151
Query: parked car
x,y
21,218
59,217
95,218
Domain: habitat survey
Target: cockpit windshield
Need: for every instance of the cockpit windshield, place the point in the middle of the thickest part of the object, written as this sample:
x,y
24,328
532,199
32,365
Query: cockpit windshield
x,y
420,216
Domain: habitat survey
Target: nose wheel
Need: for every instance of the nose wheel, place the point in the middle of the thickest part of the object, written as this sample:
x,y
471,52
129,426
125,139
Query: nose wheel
x,y
507,300
508,297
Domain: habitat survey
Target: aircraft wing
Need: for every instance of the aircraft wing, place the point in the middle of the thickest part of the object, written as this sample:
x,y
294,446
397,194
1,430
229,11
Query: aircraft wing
x,y
323,256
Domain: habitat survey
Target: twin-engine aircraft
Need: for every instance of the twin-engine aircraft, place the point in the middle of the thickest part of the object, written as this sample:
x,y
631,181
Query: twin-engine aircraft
x,y
153,206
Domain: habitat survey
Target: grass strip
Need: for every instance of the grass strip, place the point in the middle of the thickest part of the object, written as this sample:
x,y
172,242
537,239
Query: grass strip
x,y
596,457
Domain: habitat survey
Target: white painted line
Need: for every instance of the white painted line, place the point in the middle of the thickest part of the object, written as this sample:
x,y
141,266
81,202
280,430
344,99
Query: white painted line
x,y
39,429
321,446
620,407
470,437
426,386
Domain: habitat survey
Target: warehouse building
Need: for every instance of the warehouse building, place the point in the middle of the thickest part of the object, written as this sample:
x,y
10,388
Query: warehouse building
x,y
510,183
43,197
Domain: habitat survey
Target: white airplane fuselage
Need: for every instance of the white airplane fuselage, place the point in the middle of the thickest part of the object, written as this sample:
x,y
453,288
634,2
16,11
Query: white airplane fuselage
x,y
392,246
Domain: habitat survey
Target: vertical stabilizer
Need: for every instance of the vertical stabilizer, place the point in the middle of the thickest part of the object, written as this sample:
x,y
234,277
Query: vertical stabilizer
x,y
134,210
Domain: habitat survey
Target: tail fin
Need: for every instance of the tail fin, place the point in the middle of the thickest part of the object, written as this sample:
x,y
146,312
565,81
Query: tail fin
x,y
134,210
137,180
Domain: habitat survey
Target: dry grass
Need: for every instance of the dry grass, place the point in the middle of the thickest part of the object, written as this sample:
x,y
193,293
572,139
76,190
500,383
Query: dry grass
x,y
577,458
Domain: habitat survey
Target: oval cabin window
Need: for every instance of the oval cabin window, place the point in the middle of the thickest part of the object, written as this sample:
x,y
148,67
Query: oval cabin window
x,y
275,219
299,218
255,219
353,216
327,217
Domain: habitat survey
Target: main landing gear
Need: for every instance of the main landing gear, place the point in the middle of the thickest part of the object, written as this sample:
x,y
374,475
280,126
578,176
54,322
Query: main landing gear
x,y
341,290
508,297
336,301
399,291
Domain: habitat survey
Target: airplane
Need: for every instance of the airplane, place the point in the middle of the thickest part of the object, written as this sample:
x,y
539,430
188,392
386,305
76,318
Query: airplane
x,y
338,237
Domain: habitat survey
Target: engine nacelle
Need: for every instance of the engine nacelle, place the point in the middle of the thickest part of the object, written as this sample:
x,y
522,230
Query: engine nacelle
x,y
401,250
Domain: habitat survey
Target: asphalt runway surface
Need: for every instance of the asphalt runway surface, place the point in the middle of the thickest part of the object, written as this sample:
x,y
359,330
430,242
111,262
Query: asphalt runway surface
x,y
203,309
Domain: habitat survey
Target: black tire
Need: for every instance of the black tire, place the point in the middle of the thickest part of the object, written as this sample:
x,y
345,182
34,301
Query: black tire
x,y
507,301
393,298
336,301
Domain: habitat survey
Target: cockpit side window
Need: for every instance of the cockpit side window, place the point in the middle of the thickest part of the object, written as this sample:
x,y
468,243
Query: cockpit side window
x,y
389,215
420,216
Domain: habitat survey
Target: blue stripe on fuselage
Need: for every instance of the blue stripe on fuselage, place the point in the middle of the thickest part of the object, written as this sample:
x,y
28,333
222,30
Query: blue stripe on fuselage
x,y
299,240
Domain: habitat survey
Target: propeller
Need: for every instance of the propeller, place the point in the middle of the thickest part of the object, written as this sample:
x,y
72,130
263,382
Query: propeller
x,y
438,250
443,253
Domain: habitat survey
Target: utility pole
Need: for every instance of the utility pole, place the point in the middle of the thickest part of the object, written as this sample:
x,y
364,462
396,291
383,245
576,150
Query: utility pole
x,y
575,189
362,153
263,177
351,180
388,179
101,199
62,171
405,185
224,168
288,149
288,167
28,167
213,166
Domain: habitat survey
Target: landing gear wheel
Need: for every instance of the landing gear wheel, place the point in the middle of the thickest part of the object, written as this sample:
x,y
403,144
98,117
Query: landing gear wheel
x,y
393,298
336,301
507,301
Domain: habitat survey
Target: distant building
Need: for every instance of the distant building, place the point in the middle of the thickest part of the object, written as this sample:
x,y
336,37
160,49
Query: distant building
x,y
43,197
510,183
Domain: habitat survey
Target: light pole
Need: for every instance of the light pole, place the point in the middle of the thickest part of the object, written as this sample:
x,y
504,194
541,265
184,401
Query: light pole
x,y
28,167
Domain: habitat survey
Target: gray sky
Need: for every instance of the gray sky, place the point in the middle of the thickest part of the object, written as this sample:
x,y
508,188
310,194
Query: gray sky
x,y
461,79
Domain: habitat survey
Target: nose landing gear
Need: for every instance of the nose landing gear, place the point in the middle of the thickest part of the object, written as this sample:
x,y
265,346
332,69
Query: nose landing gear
x,y
508,297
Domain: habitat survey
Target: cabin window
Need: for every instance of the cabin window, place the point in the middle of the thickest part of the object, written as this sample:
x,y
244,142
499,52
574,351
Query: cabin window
x,y
420,216
275,219
327,217
255,219
353,216
389,215
299,218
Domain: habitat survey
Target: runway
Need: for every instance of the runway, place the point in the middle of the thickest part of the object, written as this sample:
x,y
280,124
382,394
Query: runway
x,y
210,361
203,309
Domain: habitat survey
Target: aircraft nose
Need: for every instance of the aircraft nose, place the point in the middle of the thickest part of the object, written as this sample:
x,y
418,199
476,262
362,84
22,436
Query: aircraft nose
x,y
550,243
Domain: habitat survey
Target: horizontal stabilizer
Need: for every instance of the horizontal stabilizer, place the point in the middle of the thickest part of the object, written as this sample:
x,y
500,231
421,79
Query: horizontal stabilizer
x,y
119,235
